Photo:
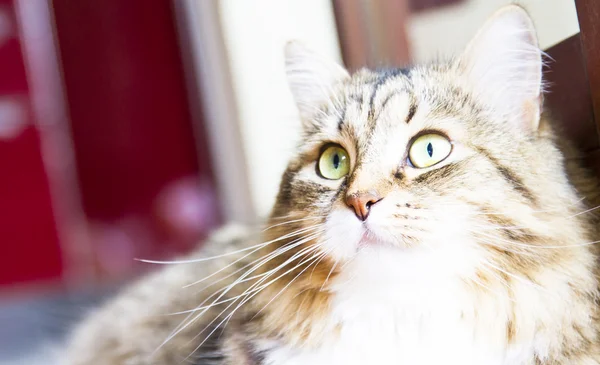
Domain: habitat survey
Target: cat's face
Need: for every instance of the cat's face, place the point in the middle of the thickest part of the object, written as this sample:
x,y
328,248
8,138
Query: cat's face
x,y
446,158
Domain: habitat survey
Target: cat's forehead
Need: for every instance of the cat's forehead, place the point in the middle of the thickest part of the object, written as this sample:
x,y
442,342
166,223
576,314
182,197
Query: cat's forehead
x,y
402,101
386,102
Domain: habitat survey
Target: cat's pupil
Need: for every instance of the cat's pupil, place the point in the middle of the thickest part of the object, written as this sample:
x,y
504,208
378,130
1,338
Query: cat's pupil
x,y
336,161
430,149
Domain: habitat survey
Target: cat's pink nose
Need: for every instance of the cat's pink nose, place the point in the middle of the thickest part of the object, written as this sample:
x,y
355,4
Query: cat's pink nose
x,y
361,203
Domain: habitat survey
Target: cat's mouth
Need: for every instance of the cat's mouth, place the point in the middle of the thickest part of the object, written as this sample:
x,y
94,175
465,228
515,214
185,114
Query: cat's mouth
x,y
373,237
369,238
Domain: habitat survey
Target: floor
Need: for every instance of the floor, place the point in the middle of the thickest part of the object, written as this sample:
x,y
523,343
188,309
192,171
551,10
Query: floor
x,y
31,330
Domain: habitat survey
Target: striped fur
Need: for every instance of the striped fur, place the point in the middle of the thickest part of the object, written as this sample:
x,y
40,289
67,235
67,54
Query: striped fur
x,y
485,258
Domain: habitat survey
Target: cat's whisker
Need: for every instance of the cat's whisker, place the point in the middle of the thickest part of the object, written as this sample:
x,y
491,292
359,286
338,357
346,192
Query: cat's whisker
x,y
251,278
229,299
197,309
528,246
245,267
312,259
294,215
299,311
487,288
292,221
228,276
209,258
223,289
493,227
548,211
219,302
248,297
329,274
499,278
257,248
297,255
512,247
322,257
307,250
517,248
191,319
518,278
264,260
557,210
284,249
203,259
585,211
250,291
279,251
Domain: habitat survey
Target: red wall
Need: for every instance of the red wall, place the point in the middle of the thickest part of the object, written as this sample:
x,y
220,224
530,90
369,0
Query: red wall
x,y
29,242
127,101
132,129
143,189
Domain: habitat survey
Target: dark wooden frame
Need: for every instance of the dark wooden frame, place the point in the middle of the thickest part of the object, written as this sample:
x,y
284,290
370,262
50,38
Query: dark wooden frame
x,y
573,75
372,33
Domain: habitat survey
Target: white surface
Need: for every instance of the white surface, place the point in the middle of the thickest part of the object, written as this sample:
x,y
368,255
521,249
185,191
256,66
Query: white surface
x,y
446,31
208,79
255,33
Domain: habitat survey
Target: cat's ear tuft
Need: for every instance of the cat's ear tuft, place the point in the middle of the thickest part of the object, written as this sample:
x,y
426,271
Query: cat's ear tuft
x,y
503,65
311,78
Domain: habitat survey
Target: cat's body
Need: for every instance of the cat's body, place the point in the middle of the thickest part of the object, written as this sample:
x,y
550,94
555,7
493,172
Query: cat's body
x,y
383,250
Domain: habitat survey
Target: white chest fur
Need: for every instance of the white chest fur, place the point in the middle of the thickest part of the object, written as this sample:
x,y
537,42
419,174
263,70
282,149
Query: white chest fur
x,y
416,310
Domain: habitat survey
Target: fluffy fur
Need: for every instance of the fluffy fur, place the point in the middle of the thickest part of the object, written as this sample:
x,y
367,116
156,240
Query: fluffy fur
x,y
487,257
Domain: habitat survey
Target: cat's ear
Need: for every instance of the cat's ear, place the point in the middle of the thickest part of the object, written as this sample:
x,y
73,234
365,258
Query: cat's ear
x,y
311,78
503,65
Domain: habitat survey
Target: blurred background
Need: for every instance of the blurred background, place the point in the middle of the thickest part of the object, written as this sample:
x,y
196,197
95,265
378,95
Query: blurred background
x,y
131,129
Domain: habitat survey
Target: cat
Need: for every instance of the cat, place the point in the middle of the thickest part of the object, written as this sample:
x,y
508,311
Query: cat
x,y
430,215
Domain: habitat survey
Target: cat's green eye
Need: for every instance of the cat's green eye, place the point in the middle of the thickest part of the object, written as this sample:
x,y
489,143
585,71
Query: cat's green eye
x,y
428,150
334,163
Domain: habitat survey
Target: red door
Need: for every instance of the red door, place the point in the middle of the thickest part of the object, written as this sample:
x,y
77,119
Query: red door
x,y
129,160
30,245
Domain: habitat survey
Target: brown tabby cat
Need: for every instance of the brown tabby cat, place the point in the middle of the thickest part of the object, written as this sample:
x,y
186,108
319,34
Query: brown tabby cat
x,y
429,216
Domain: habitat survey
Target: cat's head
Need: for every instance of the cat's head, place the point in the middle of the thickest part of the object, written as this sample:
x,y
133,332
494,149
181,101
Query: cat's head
x,y
450,161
